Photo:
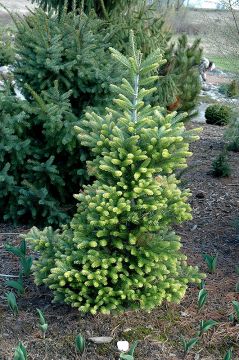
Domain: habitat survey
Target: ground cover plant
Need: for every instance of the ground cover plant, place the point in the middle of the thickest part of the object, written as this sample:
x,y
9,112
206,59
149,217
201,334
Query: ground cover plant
x,y
122,229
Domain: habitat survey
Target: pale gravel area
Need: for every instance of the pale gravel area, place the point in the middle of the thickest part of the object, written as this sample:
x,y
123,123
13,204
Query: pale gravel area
x,y
15,6
18,6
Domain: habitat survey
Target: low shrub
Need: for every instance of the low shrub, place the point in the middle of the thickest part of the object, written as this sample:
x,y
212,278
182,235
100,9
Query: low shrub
x,y
220,166
217,114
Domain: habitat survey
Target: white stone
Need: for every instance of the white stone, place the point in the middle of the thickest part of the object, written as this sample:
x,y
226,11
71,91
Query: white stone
x,y
101,339
123,346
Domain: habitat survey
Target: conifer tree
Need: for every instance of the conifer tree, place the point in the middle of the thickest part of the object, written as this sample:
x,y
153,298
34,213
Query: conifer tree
x,y
71,50
41,165
103,8
120,251
179,76
187,59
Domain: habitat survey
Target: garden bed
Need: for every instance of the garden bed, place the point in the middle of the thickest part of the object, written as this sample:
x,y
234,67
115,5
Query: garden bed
x,y
215,204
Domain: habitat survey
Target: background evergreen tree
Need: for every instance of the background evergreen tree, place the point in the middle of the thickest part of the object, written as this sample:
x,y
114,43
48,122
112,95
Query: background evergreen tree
x,y
103,8
72,50
41,165
181,73
120,251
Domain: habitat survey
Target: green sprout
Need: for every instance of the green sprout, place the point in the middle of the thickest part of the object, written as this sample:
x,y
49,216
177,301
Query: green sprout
x,y
42,323
130,354
19,251
228,355
80,343
202,298
237,287
20,352
236,309
211,262
189,344
206,325
16,285
12,302
26,264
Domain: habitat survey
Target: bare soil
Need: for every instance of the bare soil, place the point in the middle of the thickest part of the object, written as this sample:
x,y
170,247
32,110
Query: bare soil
x,y
215,205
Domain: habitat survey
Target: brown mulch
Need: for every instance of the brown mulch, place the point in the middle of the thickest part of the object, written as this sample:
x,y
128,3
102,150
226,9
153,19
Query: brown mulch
x,y
215,204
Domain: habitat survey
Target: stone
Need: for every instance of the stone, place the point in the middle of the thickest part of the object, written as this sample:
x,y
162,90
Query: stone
x,y
101,339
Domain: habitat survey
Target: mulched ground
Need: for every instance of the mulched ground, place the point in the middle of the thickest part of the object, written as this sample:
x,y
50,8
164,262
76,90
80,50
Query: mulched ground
x,y
215,204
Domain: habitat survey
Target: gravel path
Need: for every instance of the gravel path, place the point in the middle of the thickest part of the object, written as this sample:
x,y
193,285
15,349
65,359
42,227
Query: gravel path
x,y
16,6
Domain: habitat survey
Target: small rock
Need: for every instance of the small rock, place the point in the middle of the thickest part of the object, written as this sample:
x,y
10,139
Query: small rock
x,y
101,339
194,227
184,313
126,330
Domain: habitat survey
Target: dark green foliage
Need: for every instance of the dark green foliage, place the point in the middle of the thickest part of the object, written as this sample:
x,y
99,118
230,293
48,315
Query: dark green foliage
x,y
234,145
41,165
7,51
103,8
66,66
187,59
147,24
231,90
217,114
232,135
220,166
181,74
20,352
120,250
72,50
